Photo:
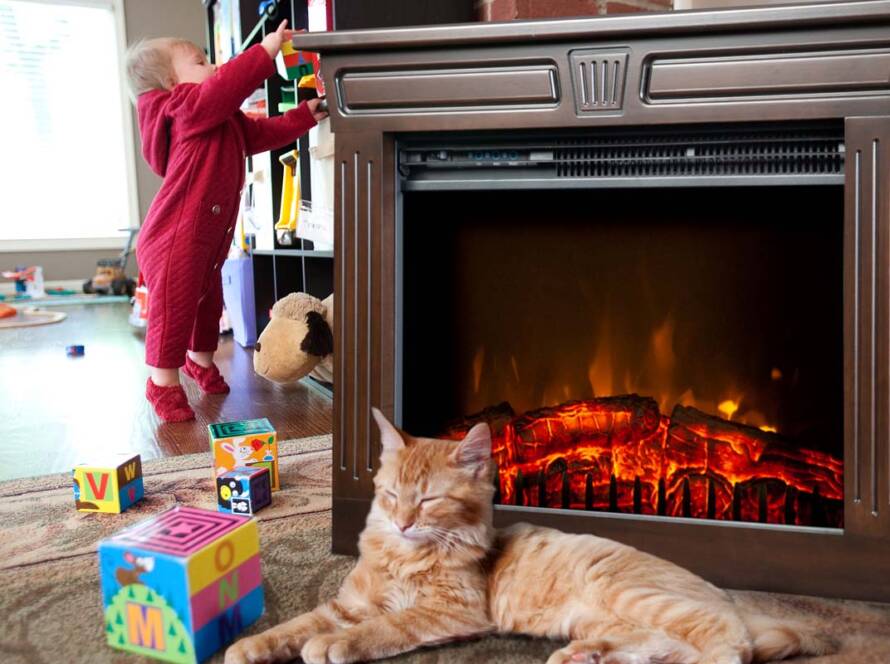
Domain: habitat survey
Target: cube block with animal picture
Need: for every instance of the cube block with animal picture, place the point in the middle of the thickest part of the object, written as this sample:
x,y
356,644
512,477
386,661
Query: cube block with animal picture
x,y
246,443
181,585
112,484
243,491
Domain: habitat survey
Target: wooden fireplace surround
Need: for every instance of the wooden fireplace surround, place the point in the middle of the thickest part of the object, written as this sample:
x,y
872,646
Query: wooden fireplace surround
x,y
825,61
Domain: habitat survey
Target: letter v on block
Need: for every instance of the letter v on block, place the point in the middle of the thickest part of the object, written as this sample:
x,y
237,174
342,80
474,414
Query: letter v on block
x,y
98,493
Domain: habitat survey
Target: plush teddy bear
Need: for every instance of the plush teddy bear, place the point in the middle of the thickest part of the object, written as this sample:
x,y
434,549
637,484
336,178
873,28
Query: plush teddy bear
x,y
298,341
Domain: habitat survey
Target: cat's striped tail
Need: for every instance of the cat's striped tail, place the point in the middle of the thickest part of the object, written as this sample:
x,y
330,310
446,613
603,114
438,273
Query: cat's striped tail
x,y
776,639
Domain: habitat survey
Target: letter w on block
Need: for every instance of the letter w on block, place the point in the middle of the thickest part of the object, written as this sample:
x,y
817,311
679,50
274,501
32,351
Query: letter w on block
x,y
145,626
98,493
228,590
130,471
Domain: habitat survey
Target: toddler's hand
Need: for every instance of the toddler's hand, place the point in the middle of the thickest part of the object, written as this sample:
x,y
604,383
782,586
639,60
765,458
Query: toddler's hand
x,y
272,42
313,107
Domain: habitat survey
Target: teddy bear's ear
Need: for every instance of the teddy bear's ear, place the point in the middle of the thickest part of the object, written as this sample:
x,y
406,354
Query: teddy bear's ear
x,y
319,339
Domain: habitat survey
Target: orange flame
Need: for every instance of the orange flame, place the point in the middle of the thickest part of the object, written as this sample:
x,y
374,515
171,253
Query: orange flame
x,y
728,408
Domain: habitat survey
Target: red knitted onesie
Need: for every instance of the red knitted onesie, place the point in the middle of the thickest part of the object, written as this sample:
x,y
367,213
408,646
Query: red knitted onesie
x,y
196,138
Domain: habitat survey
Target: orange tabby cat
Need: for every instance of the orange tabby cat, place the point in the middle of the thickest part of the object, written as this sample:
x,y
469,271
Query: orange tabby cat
x,y
432,569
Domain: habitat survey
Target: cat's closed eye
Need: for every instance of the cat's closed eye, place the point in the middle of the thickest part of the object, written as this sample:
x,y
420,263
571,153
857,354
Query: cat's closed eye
x,y
429,500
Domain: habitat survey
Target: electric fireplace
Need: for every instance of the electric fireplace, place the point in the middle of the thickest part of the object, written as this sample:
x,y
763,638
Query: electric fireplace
x,y
653,253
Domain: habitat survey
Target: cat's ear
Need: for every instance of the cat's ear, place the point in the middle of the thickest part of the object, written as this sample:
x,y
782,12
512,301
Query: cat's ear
x,y
389,436
475,449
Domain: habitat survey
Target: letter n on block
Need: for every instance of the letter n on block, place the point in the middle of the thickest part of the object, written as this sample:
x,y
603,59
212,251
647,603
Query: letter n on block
x,y
228,590
145,626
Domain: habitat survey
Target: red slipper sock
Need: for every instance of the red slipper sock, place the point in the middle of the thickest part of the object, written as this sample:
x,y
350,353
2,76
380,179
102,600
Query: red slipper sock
x,y
208,378
170,403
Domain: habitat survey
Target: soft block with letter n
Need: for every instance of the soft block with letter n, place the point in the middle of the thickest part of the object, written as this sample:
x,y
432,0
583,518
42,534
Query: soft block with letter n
x,y
246,443
181,585
110,485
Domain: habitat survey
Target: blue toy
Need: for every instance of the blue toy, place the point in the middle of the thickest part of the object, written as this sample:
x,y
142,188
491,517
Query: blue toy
x,y
181,585
244,490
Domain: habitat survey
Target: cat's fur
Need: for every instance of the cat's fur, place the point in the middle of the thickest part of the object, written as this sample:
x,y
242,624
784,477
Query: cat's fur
x,y
432,569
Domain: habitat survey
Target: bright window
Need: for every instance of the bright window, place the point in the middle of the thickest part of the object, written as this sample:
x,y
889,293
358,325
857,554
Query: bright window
x,y
63,134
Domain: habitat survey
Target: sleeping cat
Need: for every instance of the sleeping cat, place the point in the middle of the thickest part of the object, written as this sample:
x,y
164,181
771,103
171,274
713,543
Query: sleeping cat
x,y
432,569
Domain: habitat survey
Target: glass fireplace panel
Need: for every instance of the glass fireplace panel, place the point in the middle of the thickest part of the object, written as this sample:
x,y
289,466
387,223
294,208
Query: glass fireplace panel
x,y
667,352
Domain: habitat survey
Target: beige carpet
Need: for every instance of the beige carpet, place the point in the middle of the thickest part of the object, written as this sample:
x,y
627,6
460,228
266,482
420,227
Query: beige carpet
x,y
50,603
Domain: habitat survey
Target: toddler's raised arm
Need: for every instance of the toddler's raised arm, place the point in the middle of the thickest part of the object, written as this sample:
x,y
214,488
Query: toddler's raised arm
x,y
262,134
210,103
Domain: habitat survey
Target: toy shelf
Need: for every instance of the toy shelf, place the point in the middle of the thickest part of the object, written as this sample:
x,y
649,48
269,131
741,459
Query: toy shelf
x,y
298,267
277,273
294,252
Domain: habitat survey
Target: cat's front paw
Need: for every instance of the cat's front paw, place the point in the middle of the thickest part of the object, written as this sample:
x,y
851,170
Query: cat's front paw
x,y
571,656
330,649
252,650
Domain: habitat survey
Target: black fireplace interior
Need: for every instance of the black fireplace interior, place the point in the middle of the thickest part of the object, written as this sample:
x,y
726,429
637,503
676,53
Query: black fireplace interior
x,y
673,351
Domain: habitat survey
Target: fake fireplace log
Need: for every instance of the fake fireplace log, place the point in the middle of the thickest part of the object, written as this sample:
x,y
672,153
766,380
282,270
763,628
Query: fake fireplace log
x,y
620,454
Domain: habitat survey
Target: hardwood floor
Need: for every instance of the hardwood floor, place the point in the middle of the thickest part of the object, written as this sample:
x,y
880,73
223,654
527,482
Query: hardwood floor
x,y
57,411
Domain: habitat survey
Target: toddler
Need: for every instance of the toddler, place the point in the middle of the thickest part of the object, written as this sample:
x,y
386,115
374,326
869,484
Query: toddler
x,y
196,138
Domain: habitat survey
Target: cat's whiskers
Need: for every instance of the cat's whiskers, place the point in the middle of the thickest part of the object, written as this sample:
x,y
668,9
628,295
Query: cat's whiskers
x,y
451,539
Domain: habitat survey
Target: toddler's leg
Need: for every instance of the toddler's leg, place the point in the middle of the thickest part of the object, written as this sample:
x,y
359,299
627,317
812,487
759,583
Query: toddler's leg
x,y
172,309
164,377
199,364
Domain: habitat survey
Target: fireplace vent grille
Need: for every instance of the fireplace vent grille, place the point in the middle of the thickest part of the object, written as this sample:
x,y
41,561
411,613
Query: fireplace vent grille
x,y
727,154
598,80
699,156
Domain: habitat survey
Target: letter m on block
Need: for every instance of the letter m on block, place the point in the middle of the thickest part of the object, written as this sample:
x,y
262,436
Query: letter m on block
x,y
230,624
145,626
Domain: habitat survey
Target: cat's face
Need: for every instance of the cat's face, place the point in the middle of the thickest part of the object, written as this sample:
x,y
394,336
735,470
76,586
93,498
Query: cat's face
x,y
433,491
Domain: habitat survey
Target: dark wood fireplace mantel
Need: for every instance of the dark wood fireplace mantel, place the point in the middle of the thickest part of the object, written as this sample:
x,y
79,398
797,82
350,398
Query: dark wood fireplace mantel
x,y
825,62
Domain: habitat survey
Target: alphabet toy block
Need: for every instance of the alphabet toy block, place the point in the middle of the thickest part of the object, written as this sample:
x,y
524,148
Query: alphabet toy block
x,y
293,64
243,490
181,585
110,486
246,443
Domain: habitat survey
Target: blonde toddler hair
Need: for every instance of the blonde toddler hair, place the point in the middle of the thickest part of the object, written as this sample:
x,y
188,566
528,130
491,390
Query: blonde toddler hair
x,y
150,63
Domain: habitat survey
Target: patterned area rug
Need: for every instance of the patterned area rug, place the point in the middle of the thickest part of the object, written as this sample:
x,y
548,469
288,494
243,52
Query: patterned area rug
x,y
51,607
